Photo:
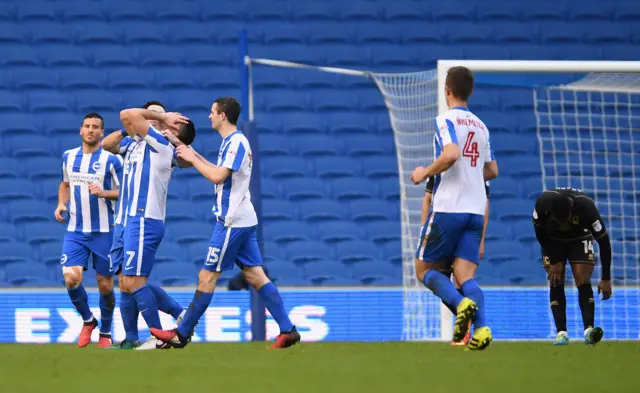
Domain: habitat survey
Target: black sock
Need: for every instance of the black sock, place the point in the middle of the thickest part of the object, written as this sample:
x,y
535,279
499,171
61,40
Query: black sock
x,y
587,304
558,307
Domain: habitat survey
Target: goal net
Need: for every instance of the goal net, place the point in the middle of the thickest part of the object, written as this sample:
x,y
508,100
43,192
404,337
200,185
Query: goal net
x,y
589,136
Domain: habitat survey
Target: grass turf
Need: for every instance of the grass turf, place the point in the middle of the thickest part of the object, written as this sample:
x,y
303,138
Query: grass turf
x,y
324,368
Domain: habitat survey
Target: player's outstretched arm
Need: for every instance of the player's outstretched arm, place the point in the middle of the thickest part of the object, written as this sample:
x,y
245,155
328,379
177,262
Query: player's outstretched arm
x,y
136,120
111,142
213,173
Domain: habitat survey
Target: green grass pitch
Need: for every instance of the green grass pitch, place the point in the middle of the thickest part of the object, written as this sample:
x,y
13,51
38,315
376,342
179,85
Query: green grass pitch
x,y
324,368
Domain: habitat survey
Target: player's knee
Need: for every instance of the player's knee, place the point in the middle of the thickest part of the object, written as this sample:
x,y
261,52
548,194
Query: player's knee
x,y
71,280
207,280
105,284
255,276
121,283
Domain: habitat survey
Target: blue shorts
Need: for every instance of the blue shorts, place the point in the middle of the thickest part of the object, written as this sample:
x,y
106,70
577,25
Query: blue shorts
x,y
142,236
77,247
229,246
117,248
446,236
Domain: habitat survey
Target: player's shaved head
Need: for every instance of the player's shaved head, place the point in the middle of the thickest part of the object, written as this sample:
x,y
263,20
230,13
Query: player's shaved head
x,y
93,115
460,82
155,106
561,209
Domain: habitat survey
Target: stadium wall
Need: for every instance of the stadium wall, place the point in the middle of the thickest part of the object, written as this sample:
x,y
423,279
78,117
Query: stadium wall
x,y
332,314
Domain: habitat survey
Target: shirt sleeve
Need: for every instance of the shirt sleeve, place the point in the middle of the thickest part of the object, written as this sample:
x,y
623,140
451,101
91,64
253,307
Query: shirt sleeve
x,y
235,155
430,183
540,211
157,142
593,219
489,150
124,144
445,131
65,175
116,171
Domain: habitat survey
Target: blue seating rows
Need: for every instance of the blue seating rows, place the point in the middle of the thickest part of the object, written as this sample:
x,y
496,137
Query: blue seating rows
x,y
330,193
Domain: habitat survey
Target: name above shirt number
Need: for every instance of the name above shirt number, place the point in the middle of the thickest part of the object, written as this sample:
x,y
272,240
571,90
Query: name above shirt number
x,y
470,149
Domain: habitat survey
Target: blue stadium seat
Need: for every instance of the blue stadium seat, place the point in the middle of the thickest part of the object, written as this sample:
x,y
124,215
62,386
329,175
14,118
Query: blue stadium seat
x,y
15,252
38,146
19,56
497,230
303,188
11,102
74,11
42,232
273,252
67,141
169,252
560,33
308,11
370,145
27,274
514,34
283,101
503,187
470,33
325,273
9,168
358,11
283,35
275,145
222,78
20,125
43,168
351,124
346,56
285,274
417,34
48,101
63,123
33,79
96,34
203,56
200,189
175,12
499,251
81,78
284,232
373,34
29,211
316,146
10,34
50,253
335,167
348,189
321,34
126,12
379,273
284,167
48,33
371,210
380,167
389,189
520,166
513,209
303,252
499,11
270,189
452,11
392,252
7,233
383,231
299,123
317,210
523,231
407,11
532,188
180,211
277,210
107,56
607,33
543,14
513,145
190,232
338,231
130,78
591,11
35,11
92,101
188,33
175,273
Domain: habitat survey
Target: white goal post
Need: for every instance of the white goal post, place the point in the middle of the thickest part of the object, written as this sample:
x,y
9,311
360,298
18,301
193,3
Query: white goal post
x,y
563,113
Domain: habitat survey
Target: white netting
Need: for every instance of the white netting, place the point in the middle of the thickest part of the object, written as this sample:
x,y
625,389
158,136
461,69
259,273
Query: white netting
x,y
412,102
589,135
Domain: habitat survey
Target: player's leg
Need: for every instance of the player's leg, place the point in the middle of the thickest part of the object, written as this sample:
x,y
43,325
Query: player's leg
x,y
128,307
438,240
250,261
221,256
75,256
467,256
582,263
100,246
166,303
141,240
557,296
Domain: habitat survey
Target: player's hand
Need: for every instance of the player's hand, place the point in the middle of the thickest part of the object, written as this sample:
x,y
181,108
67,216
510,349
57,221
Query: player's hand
x,y
186,153
171,137
555,275
61,209
482,249
419,175
604,288
94,189
172,120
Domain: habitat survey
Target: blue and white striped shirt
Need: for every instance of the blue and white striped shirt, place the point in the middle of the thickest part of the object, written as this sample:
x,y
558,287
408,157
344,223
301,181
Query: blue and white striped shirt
x,y
88,213
147,171
233,199
126,146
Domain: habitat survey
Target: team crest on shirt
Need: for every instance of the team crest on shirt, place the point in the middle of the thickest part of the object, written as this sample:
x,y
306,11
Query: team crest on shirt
x,y
63,259
96,166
